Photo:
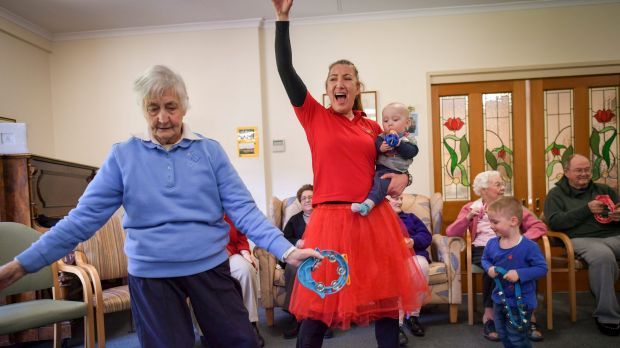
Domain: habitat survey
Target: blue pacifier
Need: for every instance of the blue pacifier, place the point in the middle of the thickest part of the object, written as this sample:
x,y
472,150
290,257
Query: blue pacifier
x,y
304,273
391,139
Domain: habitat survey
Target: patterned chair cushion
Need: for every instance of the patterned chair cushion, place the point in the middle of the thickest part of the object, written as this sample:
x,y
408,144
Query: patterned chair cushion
x,y
116,299
437,273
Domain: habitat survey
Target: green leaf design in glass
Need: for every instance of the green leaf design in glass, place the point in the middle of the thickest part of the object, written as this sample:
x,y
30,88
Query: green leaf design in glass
x,y
491,160
464,147
596,169
453,156
507,168
569,152
595,140
607,149
550,167
464,177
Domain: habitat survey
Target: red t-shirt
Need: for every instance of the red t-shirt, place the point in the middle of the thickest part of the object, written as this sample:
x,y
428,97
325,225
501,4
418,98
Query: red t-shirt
x,y
343,152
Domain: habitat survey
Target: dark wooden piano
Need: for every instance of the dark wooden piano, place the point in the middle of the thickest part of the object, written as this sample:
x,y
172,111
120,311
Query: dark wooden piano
x,y
38,191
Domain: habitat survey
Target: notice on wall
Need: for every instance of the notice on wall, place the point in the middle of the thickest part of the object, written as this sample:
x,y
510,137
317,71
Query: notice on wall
x,y
247,141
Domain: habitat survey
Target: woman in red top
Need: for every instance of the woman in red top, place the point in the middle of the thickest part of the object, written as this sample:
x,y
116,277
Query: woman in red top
x,y
382,276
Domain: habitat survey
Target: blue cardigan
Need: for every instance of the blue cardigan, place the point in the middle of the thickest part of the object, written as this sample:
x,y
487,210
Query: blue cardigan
x,y
174,205
526,258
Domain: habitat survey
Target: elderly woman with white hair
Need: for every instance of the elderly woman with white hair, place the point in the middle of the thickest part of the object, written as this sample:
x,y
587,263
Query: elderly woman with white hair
x,y
473,216
175,186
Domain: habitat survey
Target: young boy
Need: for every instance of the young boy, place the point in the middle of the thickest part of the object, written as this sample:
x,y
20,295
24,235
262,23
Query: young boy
x,y
515,263
395,158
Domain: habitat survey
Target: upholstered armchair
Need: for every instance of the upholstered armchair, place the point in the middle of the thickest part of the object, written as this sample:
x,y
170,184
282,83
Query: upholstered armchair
x,y
444,272
445,267
271,274
102,256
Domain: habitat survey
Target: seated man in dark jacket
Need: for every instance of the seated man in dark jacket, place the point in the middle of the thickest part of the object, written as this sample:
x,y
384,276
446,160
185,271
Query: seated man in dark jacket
x,y
571,207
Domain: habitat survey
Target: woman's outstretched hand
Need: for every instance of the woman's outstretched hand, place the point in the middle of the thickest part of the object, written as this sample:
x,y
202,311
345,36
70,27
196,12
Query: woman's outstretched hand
x,y
299,255
282,8
10,273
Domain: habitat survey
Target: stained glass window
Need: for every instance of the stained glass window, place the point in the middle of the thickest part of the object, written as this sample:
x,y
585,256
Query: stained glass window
x,y
603,133
559,133
497,116
455,148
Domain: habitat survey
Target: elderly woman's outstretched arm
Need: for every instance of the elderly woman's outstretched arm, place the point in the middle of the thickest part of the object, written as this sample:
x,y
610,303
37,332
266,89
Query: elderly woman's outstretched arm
x,y
532,227
461,224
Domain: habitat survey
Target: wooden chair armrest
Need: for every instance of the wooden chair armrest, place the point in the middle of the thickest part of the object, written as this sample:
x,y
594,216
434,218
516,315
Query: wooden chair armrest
x,y
546,247
568,245
82,276
81,261
468,258
267,267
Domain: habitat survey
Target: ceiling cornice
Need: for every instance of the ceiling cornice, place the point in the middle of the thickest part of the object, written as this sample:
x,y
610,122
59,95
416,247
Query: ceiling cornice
x,y
441,11
176,28
19,21
258,22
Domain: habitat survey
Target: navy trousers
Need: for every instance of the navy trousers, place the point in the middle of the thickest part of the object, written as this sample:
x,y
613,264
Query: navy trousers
x,y
162,317
312,331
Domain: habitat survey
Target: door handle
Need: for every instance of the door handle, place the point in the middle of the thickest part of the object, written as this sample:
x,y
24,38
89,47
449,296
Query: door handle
x,y
537,205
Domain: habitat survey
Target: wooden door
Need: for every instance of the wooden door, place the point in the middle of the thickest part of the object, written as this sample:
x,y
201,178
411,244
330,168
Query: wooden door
x,y
573,115
478,126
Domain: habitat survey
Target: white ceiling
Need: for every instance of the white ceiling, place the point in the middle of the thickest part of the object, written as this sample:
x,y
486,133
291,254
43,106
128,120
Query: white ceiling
x,y
52,18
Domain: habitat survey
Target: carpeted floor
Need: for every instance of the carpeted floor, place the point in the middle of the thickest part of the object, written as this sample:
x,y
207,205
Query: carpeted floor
x,y
439,332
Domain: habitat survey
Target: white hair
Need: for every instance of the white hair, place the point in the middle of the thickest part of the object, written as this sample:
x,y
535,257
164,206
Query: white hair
x,y
156,81
482,180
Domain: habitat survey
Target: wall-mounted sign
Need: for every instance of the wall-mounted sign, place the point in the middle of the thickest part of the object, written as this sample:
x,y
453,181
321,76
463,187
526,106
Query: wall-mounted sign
x,y
247,141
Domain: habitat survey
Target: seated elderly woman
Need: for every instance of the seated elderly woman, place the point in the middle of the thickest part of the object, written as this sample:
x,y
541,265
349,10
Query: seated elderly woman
x,y
294,231
473,216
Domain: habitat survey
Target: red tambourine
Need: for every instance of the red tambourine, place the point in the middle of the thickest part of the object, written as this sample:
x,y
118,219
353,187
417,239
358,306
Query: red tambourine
x,y
609,203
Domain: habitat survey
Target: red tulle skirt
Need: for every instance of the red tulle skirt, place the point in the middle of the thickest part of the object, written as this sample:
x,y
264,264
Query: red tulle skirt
x,y
383,278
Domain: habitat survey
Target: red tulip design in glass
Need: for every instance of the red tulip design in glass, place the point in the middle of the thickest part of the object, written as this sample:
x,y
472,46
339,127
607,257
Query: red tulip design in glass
x,y
497,157
605,136
559,153
451,142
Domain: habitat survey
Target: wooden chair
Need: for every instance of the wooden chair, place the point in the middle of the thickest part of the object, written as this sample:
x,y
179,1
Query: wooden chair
x,y
14,317
102,256
473,270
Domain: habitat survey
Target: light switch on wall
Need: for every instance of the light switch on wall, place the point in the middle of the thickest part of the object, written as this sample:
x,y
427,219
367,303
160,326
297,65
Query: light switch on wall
x,y
279,145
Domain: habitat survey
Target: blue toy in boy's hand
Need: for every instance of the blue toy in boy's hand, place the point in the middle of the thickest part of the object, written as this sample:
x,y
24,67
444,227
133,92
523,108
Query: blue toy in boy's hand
x,y
391,139
304,273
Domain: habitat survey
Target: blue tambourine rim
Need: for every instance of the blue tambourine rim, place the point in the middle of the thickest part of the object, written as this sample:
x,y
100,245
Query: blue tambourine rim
x,y
304,273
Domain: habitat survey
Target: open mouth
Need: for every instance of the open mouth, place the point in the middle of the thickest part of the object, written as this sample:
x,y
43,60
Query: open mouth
x,y
340,97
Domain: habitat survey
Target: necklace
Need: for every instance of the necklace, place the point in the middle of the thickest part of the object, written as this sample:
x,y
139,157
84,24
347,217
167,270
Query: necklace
x,y
522,322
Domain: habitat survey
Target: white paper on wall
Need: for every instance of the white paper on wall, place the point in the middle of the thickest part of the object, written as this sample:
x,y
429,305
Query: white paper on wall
x,y
13,138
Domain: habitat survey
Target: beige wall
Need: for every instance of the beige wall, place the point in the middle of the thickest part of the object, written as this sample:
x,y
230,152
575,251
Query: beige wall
x,y
25,87
92,84
232,79
395,56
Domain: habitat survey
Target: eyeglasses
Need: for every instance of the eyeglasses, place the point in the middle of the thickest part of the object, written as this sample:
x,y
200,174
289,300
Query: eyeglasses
x,y
305,198
581,170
